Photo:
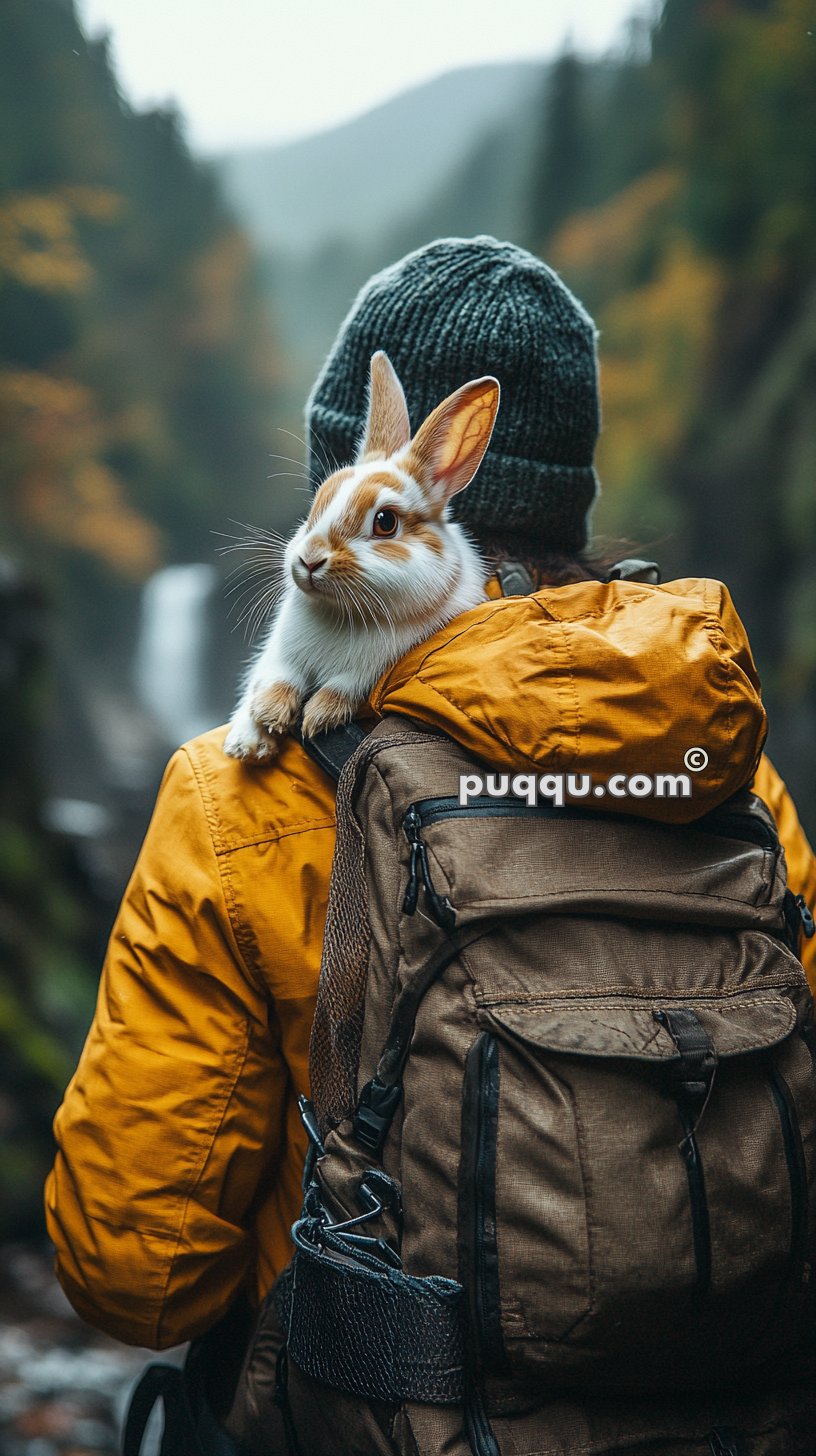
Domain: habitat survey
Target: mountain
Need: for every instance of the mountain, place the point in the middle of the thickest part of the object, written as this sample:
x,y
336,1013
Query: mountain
x,y
365,176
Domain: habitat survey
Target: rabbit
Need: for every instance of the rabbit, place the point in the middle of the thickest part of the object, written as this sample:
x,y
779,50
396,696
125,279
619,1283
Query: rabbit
x,y
376,567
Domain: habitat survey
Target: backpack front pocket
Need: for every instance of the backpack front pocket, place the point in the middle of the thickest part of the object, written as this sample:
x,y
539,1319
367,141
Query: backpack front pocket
x,y
612,1194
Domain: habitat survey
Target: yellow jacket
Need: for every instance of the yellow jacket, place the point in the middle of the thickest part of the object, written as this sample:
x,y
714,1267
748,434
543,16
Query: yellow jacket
x,y
180,1146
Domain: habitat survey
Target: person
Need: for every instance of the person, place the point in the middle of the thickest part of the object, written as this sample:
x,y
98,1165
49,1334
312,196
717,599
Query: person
x,y
180,1146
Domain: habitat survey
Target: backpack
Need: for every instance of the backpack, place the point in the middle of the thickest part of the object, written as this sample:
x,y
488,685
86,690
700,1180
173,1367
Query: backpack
x,y
559,1195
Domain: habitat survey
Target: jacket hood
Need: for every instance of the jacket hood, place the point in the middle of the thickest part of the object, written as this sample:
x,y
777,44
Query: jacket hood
x,y
605,679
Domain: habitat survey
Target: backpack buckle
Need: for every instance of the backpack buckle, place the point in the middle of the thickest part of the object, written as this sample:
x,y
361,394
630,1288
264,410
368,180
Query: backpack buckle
x,y
375,1111
315,1147
698,1060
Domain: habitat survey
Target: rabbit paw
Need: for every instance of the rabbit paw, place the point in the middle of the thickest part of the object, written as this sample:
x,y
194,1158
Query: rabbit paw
x,y
276,706
247,739
327,709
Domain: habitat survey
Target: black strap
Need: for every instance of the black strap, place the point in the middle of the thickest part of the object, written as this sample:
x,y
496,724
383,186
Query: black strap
x,y
332,749
281,1398
633,569
190,1428
158,1383
698,1059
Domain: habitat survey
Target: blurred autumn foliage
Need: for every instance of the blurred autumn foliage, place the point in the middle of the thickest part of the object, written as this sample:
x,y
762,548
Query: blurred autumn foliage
x,y
690,232
136,369
138,378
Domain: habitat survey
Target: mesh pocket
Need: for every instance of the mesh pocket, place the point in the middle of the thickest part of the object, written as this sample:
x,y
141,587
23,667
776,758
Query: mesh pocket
x,y
334,1052
370,1330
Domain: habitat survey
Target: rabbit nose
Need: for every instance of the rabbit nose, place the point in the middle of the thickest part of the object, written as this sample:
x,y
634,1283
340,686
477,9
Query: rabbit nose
x,y
313,566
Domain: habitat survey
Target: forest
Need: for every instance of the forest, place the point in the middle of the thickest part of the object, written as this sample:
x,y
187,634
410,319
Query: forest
x,y
144,387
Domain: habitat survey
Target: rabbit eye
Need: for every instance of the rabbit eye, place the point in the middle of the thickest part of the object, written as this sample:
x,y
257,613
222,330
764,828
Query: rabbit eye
x,y
386,523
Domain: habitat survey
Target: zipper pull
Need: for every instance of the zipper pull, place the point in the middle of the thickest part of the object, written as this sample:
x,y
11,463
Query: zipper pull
x,y
808,925
309,1119
440,906
411,824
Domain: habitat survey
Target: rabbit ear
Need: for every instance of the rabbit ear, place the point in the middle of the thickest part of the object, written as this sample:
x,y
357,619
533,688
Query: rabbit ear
x,y
448,448
387,426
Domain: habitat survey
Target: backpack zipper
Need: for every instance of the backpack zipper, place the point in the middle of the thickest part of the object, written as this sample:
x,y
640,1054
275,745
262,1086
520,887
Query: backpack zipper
x,y
440,906
431,811
798,921
797,1168
478,1211
747,827
808,924
488,1318
478,1429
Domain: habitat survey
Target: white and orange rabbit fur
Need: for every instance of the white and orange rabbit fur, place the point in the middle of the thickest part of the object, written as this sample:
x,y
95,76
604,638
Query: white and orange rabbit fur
x,y
376,567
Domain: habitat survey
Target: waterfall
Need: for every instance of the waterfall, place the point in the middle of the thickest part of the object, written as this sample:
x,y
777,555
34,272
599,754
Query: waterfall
x,y
169,669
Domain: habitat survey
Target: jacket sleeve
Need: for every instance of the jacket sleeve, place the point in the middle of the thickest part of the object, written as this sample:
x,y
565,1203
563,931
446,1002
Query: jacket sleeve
x,y
800,858
176,1109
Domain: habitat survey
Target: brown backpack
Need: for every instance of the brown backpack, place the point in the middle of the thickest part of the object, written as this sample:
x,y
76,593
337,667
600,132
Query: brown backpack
x,y
560,1195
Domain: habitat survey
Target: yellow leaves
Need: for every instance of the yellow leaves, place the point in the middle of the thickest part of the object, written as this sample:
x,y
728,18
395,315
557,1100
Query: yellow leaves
x,y
39,244
41,399
100,204
603,238
53,441
87,510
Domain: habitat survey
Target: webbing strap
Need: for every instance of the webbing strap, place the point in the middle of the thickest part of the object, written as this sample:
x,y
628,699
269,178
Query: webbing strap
x,y
159,1382
333,749
190,1428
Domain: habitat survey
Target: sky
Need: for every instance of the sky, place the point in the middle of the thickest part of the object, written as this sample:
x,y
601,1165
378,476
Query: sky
x,y
251,72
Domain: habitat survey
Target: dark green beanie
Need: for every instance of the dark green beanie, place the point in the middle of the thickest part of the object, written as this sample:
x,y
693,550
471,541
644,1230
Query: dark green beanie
x,y
450,312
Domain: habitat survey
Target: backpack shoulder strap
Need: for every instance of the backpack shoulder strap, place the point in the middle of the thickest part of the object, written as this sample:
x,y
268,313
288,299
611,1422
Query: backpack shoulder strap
x,y
333,749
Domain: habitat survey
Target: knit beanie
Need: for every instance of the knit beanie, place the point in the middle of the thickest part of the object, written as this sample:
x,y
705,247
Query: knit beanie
x,y
450,312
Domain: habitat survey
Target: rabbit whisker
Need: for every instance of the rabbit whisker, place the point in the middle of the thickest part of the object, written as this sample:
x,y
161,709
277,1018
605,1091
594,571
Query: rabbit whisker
x,y
376,602
255,608
246,588
260,561
312,474
261,551
270,541
368,607
321,450
290,459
